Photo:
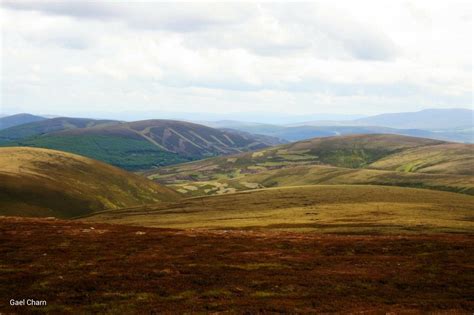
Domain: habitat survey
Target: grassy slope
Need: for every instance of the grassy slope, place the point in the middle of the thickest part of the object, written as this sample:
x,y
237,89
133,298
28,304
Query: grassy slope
x,y
40,182
336,208
450,158
368,159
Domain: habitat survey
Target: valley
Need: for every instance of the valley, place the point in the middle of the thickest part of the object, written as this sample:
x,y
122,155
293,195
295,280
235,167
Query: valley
x,y
216,220
216,157
360,159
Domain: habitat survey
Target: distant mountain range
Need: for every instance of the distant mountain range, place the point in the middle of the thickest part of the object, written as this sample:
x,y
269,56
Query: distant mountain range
x,y
429,119
18,119
444,124
142,145
133,145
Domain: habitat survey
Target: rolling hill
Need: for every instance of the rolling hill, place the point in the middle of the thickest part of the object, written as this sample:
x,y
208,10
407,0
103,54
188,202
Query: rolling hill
x,y
18,119
145,144
357,159
326,209
41,182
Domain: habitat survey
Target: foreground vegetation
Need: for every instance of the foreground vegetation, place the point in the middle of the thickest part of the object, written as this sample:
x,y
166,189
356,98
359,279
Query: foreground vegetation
x,y
113,269
324,209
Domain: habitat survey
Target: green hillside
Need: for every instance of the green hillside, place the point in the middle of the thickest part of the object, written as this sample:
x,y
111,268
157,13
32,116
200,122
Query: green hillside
x,y
133,146
127,153
449,158
361,159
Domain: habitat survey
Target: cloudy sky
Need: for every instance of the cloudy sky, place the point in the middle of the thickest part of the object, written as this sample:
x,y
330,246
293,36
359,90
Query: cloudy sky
x,y
355,57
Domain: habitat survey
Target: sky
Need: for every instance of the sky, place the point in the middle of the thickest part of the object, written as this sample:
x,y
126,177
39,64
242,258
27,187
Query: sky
x,y
360,57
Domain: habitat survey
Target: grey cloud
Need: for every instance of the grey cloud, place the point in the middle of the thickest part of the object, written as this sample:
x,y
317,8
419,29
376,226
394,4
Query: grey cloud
x,y
370,48
177,17
69,8
228,26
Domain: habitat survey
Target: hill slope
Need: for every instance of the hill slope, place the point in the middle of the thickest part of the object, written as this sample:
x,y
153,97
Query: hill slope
x,y
146,144
40,182
18,119
449,158
361,159
342,209
46,126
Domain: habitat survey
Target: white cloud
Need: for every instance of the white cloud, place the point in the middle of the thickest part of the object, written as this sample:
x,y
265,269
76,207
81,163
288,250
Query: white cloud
x,y
354,57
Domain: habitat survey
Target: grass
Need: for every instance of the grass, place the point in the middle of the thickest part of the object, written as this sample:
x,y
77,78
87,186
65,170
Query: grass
x,y
41,182
324,209
441,159
369,159
324,175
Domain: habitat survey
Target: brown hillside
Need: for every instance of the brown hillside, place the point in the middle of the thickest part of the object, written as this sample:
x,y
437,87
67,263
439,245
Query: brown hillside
x,y
41,182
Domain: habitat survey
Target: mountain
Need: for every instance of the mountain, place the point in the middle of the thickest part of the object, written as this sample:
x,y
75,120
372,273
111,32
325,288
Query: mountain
x,y
303,131
430,119
355,159
45,126
267,140
144,144
40,182
18,119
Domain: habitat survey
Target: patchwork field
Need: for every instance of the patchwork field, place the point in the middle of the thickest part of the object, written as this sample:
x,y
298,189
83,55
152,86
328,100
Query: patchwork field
x,y
355,160
99,268
325,209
